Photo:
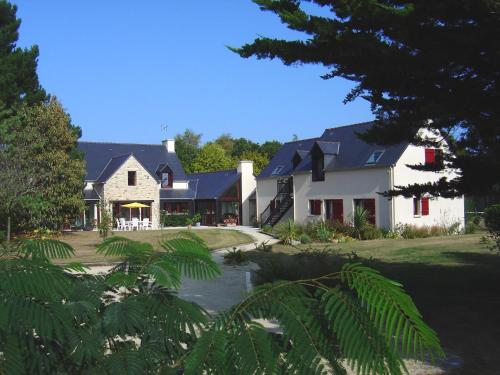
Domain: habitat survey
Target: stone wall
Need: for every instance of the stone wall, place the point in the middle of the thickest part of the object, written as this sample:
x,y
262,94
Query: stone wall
x,y
146,189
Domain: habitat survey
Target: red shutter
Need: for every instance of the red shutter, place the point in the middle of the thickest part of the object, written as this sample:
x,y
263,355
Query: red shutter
x,y
430,156
317,207
425,206
338,210
369,205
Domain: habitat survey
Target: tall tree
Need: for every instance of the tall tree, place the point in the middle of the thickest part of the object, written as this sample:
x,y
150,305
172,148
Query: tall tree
x,y
44,137
18,77
226,141
242,145
212,157
259,159
187,147
421,64
270,148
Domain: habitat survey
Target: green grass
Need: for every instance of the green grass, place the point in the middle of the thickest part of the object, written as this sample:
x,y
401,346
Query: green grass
x,y
454,280
85,243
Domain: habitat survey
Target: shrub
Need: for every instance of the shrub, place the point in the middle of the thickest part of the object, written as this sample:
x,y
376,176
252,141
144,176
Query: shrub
x,y
341,228
106,224
471,227
305,239
492,222
267,228
286,232
359,221
3,236
235,257
178,220
370,232
322,233
196,218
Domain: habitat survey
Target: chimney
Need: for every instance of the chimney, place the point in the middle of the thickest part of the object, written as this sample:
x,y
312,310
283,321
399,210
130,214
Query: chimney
x,y
245,167
248,185
169,145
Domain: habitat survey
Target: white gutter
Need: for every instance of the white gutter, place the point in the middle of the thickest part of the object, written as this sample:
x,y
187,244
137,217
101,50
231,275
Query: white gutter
x,y
393,205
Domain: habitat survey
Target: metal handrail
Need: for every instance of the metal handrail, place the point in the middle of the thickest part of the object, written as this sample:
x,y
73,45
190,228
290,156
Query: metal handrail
x,y
283,195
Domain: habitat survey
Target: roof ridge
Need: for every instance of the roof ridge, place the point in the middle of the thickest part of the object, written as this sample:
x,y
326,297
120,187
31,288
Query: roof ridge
x,y
122,143
346,126
122,155
301,140
218,171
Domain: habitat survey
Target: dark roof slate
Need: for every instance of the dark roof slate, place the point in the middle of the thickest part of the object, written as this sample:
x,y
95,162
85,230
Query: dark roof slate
x,y
97,155
346,149
189,193
212,185
90,195
113,165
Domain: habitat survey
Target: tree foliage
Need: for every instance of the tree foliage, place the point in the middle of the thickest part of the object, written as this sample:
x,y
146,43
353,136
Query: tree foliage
x,y
41,144
211,157
187,147
131,320
425,64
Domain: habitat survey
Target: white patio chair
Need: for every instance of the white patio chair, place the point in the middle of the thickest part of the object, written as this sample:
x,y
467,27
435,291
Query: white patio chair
x,y
118,225
134,224
146,224
123,224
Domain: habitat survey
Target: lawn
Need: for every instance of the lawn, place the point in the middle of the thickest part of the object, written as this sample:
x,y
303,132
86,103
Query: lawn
x,y
454,281
85,243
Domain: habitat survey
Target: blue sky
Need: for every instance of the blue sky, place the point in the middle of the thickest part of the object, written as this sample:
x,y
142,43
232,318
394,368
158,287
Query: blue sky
x,y
124,68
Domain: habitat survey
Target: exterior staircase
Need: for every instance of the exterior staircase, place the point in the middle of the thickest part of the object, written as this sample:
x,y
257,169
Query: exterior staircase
x,y
278,206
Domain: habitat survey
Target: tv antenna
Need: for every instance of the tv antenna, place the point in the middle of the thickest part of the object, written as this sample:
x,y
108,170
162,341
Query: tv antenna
x,y
164,128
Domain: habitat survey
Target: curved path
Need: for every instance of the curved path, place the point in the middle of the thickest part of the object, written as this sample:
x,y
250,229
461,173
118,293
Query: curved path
x,y
229,288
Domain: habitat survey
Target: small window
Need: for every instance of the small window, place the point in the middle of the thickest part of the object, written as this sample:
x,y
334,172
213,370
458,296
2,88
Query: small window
x,y
277,170
315,207
318,165
417,207
166,180
375,157
425,206
132,178
296,160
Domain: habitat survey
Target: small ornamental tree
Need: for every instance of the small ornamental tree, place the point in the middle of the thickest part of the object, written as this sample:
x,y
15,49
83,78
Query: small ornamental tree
x,y
492,222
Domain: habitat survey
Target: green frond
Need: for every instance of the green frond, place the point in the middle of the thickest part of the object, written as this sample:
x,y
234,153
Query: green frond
x,y
392,311
208,354
164,273
121,279
12,361
185,234
124,247
123,318
45,249
124,361
361,343
253,350
191,258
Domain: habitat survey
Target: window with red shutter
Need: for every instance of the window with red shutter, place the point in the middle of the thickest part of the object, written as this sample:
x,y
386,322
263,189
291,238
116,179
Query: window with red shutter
x,y
315,207
430,156
425,206
417,207
334,210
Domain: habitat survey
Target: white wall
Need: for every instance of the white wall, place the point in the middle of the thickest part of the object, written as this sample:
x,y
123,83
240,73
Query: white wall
x,y
248,185
266,190
347,185
442,211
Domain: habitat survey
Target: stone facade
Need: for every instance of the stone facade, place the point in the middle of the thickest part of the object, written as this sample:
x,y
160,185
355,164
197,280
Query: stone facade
x,y
146,188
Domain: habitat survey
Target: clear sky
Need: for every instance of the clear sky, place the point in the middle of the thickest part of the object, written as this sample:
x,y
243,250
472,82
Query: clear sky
x,y
124,68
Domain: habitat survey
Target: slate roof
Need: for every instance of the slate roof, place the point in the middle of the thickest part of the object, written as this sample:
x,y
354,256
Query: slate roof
x,y
212,185
113,165
90,195
284,157
97,155
349,152
189,193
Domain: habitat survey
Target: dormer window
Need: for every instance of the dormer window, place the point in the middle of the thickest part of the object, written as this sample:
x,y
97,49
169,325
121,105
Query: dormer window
x,y
296,160
375,157
166,180
277,170
318,164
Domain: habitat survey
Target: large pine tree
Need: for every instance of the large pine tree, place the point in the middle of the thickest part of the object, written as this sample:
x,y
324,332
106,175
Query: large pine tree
x,y
421,64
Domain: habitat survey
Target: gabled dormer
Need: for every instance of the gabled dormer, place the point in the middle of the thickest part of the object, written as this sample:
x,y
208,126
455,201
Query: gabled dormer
x,y
298,156
322,156
166,176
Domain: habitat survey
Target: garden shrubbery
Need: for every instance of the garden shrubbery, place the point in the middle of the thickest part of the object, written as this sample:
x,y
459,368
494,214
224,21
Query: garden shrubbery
x,y
178,220
492,222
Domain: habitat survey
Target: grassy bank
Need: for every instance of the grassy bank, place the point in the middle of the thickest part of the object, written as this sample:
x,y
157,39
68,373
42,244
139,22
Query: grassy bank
x,y
85,243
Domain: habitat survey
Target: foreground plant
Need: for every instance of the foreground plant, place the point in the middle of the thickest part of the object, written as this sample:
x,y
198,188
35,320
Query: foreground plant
x,y
132,321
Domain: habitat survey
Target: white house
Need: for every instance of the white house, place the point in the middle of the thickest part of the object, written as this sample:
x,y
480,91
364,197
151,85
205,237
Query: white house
x,y
327,177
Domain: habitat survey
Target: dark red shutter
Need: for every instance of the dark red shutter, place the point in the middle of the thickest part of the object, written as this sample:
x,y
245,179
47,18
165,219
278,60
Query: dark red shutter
x,y
430,156
369,205
338,210
317,207
425,206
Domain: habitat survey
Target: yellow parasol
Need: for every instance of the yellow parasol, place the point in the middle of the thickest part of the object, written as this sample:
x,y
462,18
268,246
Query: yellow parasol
x,y
135,205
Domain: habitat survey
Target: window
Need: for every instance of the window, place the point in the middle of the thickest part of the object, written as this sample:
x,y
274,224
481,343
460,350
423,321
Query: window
x,y
176,207
166,180
334,209
132,178
369,205
375,157
421,206
315,207
277,170
318,165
